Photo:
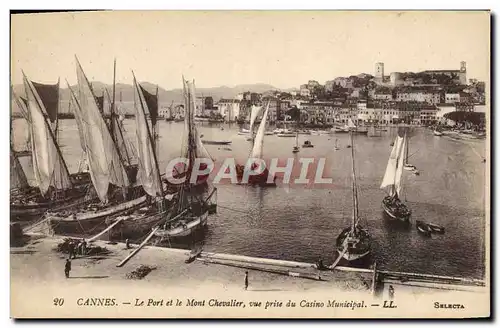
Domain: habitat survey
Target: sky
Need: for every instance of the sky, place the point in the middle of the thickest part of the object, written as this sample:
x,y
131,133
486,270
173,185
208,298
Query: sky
x,y
281,48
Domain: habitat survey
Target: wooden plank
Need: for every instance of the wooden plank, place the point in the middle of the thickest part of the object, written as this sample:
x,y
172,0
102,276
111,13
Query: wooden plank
x,y
331,267
105,230
135,251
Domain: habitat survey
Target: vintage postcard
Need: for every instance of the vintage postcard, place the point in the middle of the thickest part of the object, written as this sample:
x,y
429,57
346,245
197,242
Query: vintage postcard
x,y
250,164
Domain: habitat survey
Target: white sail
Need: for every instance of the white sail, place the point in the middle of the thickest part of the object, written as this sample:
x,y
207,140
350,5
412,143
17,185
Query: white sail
x,y
258,145
48,165
399,168
350,123
103,158
390,171
79,120
253,116
147,175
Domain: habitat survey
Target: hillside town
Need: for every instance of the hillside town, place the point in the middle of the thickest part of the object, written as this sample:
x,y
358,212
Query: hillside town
x,y
414,98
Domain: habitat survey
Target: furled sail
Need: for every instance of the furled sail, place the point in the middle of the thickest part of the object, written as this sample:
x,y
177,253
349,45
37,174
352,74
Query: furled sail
x,y
18,178
48,165
103,157
258,145
148,174
22,104
117,130
392,165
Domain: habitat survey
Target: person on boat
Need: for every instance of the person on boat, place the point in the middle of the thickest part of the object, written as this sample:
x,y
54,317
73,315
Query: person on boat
x,y
391,292
246,280
127,244
67,268
71,249
83,247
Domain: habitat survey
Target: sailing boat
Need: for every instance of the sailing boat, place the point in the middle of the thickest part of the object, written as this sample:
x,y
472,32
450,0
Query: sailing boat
x,y
254,113
407,166
190,206
354,242
296,147
256,153
111,177
391,204
57,189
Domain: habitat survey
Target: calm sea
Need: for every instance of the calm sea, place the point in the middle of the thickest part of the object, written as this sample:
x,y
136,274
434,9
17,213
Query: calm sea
x,y
301,223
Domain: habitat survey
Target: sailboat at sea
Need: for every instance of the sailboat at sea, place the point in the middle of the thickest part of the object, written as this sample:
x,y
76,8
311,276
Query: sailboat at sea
x,y
256,154
57,187
113,175
354,242
254,113
393,178
296,147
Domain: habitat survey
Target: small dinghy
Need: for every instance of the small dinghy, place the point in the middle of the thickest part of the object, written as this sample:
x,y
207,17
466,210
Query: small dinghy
x,y
423,228
307,144
436,228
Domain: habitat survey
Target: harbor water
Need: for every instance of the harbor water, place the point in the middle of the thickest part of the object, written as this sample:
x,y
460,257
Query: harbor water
x,y
301,223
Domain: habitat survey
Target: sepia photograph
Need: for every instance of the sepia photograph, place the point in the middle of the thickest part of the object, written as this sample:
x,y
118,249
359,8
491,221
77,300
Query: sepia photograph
x,y
250,164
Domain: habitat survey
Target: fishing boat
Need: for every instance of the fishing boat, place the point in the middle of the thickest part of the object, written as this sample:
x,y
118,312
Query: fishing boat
x,y
407,166
190,206
256,154
354,242
438,133
423,228
433,227
254,113
285,134
57,188
111,169
296,147
392,180
307,144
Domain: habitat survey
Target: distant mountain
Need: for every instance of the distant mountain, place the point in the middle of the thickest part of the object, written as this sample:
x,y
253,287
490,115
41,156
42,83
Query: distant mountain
x,y
125,92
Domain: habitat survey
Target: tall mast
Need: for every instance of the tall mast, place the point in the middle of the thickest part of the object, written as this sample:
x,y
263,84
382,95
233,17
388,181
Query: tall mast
x,y
112,109
354,188
56,132
406,148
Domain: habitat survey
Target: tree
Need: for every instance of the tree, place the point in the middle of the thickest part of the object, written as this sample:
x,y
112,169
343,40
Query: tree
x,y
294,113
472,117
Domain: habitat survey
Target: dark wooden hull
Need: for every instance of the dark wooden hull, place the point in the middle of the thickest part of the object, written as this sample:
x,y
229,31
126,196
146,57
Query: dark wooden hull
x,y
403,213
31,211
93,222
354,252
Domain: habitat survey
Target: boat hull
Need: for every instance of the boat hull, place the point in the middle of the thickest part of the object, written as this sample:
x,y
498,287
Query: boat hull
x,y
184,229
393,213
30,211
356,251
211,142
92,222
